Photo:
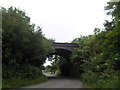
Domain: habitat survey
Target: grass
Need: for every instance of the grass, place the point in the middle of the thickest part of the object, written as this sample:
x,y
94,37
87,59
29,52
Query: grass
x,y
17,82
91,81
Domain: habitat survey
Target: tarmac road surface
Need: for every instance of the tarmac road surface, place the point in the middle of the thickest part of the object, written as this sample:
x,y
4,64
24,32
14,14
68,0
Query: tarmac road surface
x,y
58,82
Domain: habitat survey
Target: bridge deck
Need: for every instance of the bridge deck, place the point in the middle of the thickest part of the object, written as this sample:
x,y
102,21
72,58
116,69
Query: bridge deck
x,y
67,44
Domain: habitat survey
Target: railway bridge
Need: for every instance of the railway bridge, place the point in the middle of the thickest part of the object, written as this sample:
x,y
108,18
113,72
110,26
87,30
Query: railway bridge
x,y
64,49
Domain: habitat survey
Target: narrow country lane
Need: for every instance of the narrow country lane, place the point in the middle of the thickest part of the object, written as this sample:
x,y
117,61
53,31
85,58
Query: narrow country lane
x,y
57,82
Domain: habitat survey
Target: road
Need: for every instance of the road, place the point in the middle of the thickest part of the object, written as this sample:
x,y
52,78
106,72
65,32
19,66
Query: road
x,y
58,82
49,75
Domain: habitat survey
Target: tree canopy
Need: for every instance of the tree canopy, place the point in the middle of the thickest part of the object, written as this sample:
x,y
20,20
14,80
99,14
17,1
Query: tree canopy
x,y
25,48
98,57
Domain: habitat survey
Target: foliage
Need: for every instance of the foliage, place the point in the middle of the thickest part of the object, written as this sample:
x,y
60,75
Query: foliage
x,y
61,67
24,46
98,57
96,61
17,82
54,67
21,42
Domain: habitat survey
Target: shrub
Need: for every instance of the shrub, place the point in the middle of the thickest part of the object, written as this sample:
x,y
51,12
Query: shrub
x,y
29,71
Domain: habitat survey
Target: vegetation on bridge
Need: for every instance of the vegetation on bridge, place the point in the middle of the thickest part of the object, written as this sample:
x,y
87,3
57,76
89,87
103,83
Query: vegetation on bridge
x,y
24,49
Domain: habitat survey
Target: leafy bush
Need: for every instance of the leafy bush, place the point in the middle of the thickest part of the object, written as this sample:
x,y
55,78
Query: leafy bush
x,y
29,71
17,82
90,77
24,47
99,54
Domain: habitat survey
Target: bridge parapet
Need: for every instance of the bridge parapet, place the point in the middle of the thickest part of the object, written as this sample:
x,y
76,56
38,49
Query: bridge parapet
x,y
65,46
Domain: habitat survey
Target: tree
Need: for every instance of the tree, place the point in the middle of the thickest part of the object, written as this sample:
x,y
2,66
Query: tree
x,y
23,45
99,54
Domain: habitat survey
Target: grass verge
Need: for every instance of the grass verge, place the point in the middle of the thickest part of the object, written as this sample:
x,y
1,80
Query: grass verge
x,y
93,80
18,82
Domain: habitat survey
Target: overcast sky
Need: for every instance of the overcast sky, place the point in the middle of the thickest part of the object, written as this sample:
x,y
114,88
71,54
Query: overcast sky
x,y
63,20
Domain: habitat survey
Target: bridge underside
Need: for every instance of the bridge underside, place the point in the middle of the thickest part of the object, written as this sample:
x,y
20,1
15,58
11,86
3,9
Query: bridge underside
x,y
64,49
63,53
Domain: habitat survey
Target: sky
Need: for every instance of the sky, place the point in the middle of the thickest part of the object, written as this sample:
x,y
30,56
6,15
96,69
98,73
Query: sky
x,y
63,20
